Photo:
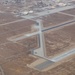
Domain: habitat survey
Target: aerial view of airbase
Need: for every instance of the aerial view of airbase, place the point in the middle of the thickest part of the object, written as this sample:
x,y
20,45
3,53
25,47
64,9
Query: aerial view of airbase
x,y
37,37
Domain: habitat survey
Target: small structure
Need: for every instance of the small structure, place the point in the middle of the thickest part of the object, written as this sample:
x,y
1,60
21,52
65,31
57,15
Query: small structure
x,y
31,11
62,4
25,13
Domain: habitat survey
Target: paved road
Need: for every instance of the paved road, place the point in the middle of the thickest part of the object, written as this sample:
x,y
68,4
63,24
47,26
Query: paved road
x,y
44,65
50,62
12,22
41,30
23,36
48,12
1,71
60,25
67,14
64,55
41,51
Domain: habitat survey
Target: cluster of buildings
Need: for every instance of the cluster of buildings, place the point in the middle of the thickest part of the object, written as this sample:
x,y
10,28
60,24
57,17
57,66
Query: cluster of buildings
x,y
25,7
36,2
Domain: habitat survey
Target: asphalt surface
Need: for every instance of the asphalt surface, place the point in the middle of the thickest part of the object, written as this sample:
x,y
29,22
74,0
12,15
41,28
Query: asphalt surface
x,y
50,62
49,12
41,50
44,65
1,71
64,55
23,37
12,22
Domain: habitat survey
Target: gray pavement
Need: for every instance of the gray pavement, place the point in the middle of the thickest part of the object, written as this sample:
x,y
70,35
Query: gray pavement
x,y
12,22
44,65
1,71
50,62
64,55
41,51
23,36
67,14
60,25
48,12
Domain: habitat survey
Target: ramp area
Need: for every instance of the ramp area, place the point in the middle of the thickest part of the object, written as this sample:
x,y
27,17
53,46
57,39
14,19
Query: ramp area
x,y
44,65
